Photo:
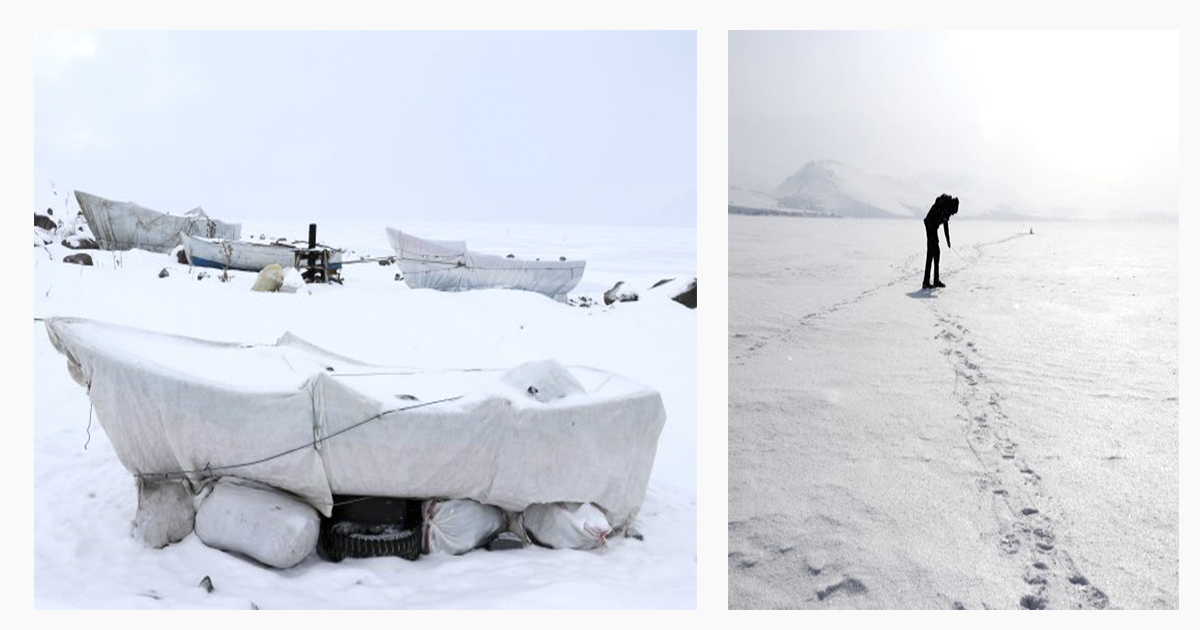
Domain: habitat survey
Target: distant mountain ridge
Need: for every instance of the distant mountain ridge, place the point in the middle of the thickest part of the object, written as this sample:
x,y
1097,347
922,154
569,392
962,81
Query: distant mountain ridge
x,y
832,188
836,188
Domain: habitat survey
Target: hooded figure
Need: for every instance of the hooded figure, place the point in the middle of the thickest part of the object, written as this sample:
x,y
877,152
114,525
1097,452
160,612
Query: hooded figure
x,y
943,208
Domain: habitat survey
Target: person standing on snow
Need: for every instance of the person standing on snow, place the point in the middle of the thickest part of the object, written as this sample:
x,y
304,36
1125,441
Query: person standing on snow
x,y
943,208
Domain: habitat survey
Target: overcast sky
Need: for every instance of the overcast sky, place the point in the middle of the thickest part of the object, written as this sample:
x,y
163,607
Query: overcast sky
x,y
542,127
1071,124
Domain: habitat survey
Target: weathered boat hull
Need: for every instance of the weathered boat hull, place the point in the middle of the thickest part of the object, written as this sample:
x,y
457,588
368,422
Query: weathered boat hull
x,y
244,255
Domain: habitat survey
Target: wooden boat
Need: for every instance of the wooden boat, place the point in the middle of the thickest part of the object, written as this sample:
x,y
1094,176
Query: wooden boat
x,y
246,255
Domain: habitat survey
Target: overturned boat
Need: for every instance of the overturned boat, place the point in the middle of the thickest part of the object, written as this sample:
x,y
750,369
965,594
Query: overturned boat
x,y
450,266
247,255
123,225
314,424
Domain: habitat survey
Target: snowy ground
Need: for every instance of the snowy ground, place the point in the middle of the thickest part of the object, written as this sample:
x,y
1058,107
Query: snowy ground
x,y
84,500
1008,441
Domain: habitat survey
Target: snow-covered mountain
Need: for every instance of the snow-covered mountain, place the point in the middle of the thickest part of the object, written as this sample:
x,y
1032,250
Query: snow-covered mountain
x,y
828,187
746,201
833,187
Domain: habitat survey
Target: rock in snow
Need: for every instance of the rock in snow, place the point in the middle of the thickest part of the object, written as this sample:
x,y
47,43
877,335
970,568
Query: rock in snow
x,y
620,294
44,222
76,241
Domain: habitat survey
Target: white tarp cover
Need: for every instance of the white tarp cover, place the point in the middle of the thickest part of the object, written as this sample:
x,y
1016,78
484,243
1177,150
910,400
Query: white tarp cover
x,y
450,266
121,225
174,404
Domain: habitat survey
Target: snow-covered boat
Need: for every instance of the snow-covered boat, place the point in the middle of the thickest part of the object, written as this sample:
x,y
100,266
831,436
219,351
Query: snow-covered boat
x,y
246,255
314,424
450,266
122,225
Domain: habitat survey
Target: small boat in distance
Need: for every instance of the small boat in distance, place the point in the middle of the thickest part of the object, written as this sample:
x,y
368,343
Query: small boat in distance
x,y
450,266
247,255
123,225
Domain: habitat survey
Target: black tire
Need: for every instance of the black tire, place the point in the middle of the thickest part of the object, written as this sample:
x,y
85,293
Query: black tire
x,y
347,539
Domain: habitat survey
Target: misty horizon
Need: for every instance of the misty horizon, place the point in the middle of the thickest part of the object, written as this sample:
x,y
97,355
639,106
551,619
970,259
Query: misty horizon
x,y
1051,125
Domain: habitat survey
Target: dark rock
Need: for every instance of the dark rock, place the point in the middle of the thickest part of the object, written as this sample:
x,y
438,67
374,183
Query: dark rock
x,y
582,301
562,258
181,256
44,222
206,584
510,256
78,259
397,277
385,262
661,282
688,296
202,275
50,211
164,273
618,294
79,242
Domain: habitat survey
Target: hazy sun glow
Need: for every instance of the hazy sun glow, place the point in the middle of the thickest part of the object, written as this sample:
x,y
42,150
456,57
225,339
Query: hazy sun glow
x,y
1089,107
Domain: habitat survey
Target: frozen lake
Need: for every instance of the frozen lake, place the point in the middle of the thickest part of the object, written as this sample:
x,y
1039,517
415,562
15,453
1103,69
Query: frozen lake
x,y
1009,441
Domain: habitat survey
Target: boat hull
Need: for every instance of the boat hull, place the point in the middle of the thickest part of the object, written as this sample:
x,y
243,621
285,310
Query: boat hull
x,y
244,255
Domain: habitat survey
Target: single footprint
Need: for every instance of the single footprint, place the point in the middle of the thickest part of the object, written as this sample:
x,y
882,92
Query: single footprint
x,y
1033,602
1095,597
848,585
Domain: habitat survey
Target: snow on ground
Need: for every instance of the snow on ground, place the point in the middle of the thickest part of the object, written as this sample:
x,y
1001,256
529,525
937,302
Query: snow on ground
x,y
1009,441
84,500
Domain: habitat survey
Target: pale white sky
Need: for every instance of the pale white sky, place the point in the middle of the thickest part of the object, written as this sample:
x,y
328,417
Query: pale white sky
x,y
540,127
1066,124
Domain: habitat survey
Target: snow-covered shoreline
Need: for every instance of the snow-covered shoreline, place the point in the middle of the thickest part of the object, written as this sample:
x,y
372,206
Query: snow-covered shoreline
x,y
84,500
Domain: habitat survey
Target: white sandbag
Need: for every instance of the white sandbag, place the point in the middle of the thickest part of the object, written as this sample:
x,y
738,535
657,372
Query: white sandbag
x,y
566,525
459,525
269,280
165,512
269,526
